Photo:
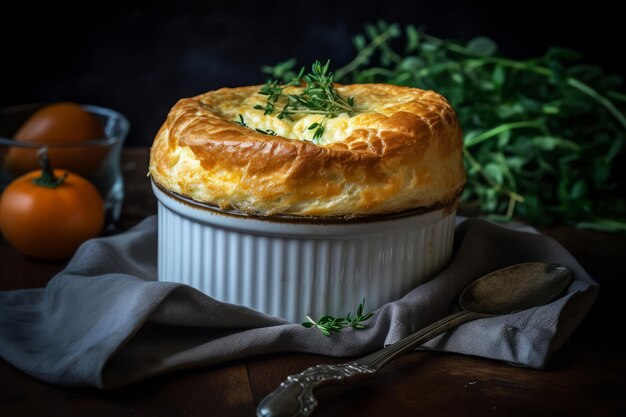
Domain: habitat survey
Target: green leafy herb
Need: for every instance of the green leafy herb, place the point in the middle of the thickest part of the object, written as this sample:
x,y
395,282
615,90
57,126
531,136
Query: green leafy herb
x,y
318,96
242,122
329,324
266,131
541,135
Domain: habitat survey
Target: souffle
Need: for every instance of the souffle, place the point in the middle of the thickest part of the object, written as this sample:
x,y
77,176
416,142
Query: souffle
x,y
401,149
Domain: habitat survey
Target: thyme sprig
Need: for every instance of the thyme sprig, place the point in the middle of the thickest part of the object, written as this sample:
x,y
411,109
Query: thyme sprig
x,y
328,323
242,122
318,96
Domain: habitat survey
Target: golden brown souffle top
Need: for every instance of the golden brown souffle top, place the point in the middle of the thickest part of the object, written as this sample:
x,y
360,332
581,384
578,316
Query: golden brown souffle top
x,y
402,150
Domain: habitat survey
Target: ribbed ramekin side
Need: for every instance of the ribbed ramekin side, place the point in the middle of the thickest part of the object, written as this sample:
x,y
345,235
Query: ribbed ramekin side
x,y
291,277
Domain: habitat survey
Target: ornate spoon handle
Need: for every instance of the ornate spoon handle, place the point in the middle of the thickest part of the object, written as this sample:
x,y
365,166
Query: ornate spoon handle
x,y
294,397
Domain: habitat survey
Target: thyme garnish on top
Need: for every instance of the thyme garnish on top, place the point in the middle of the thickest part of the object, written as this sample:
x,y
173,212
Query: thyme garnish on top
x,y
318,96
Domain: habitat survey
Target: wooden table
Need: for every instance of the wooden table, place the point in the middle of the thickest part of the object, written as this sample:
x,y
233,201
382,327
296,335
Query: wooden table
x,y
587,377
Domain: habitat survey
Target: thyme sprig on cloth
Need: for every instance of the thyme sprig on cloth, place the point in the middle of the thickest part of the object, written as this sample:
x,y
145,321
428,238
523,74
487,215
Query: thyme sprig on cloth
x,y
328,324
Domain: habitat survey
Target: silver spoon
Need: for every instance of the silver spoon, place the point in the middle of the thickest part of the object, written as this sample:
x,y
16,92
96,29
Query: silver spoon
x,y
505,291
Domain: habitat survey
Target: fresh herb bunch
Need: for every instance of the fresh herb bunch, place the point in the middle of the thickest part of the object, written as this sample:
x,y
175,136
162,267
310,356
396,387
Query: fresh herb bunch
x,y
318,96
329,324
540,136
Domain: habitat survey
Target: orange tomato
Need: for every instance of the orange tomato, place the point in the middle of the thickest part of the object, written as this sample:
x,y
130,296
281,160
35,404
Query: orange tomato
x,y
59,123
50,222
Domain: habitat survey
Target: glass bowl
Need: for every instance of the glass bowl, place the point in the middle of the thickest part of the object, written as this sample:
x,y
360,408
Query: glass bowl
x,y
96,160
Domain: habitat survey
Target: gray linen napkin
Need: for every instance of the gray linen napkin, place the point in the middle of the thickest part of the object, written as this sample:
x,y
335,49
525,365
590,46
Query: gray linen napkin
x,y
104,322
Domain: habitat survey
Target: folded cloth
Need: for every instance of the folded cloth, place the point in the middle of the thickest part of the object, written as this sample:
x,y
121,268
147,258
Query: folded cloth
x,y
104,321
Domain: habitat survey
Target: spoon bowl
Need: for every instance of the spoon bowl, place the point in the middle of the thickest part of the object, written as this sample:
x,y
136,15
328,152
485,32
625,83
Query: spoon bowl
x,y
515,288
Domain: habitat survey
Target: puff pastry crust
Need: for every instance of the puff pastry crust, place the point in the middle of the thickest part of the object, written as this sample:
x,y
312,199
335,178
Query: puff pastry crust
x,y
402,150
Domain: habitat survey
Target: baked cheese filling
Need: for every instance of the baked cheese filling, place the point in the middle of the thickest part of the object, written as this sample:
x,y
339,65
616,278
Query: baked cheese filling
x,y
335,129
297,126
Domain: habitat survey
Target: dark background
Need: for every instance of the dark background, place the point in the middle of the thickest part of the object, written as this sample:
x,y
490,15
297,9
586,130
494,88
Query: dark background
x,y
140,58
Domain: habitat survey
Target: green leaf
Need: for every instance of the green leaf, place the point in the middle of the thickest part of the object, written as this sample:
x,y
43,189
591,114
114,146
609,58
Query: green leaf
x,y
469,136
494,171
563,54
510,110
368,315
498,75
281,71
578,190
359,42
615,147
371,31
504,138
530,105
411,64
413,38
601,173
549,143
394,30
429,46
482,46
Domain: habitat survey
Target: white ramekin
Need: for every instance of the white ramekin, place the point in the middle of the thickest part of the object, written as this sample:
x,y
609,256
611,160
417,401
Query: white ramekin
x,y
289,267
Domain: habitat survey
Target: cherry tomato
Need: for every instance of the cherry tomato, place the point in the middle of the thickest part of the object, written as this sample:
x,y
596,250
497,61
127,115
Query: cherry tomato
x,y
48,213
59,123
